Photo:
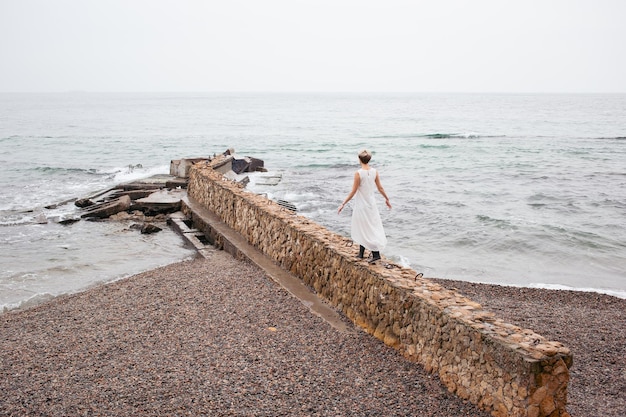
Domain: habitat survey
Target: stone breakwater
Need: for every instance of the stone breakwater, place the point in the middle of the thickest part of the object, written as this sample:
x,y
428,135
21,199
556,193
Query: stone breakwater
x,y
503,368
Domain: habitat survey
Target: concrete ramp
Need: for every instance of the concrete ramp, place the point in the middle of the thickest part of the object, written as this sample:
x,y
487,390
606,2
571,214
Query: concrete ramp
x,y
222,236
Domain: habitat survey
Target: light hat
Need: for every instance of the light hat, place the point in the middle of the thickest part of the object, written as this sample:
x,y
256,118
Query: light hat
x,y
365,152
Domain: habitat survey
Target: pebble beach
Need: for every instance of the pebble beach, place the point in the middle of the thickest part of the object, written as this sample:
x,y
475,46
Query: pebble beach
x,y
217,337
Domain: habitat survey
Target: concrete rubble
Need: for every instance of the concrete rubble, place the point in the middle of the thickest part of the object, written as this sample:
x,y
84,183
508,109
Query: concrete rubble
x,y
157,197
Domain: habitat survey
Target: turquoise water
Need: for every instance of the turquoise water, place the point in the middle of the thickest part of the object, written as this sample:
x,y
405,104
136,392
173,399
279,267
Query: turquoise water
x,y
512,189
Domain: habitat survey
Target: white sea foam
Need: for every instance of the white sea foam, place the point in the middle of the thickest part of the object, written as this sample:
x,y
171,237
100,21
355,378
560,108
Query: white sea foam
x,y
135,172
614,293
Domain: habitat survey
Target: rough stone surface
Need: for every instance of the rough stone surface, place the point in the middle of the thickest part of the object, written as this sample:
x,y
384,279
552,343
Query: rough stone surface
x,y
501,367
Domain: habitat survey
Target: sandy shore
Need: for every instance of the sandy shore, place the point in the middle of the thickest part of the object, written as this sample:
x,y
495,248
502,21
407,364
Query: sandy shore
x,y
217,337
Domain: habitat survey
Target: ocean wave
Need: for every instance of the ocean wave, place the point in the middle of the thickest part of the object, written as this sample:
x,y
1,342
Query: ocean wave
x,y
32,301
11,221
398,136
133,172
330,165
498,223
430,146
437,135
54,170
580,239
560,287
454,136
117,174
542,197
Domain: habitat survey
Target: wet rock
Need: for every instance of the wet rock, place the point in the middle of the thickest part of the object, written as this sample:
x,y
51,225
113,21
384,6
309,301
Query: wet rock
x,y
68,221
240,165
83,202
122,215
149,228
256,165
41,219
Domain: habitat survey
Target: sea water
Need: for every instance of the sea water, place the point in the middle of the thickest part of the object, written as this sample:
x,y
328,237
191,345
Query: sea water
x,y
512,189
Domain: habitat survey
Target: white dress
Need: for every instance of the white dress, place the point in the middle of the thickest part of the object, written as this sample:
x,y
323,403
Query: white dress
x,y
367,227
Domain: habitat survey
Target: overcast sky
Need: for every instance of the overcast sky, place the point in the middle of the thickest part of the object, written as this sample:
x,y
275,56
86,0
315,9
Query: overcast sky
x,y
313,45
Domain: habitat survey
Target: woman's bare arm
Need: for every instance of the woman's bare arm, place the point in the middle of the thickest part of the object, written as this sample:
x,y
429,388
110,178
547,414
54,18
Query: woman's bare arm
x,y
355,187
381,190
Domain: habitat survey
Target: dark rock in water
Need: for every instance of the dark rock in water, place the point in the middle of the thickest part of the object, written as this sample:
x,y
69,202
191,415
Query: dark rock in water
x,y
83,202
246,164
68,221
109,208
240,165
149,228
256,165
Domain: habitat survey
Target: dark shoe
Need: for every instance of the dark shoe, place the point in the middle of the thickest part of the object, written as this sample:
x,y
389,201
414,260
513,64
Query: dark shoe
x,y
373,259
361,254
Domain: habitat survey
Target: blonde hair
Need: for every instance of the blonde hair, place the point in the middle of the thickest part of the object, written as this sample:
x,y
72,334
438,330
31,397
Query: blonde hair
x,y
365,156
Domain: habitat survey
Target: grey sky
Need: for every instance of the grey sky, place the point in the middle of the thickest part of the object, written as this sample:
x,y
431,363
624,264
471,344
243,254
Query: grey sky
x,y
313,45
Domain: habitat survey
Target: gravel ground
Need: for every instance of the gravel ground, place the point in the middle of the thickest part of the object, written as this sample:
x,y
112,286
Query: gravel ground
x,y
217,337
209,337
592,325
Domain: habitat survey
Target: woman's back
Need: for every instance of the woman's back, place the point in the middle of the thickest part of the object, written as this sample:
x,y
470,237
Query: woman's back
x,y
367,183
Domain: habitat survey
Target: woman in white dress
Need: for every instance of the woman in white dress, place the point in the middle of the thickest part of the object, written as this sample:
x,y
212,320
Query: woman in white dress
x,y
367,227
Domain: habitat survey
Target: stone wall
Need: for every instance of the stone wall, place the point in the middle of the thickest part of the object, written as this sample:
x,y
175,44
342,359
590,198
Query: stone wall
x,y
502,368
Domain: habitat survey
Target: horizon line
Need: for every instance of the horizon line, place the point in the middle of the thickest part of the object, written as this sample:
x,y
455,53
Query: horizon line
x,y
303,92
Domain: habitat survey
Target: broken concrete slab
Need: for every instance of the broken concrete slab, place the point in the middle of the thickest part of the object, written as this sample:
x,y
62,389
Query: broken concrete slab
x,y
181,167
162,201
108,208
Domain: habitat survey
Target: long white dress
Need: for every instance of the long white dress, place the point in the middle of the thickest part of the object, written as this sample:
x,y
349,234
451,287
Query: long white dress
x,y
367,227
